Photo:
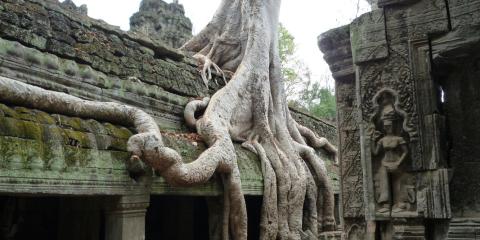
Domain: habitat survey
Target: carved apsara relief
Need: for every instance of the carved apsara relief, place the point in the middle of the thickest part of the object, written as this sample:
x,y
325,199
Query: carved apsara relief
x,y
394,186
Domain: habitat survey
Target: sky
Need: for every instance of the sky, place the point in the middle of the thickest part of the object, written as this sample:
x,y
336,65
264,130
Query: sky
x,y
304,19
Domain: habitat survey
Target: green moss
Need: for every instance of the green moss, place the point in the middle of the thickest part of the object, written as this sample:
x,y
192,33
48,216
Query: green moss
x,y
44,118
54,135
33,130
117,132
69,122
8,112
185,148
94,126
118,144
74,123
78,139
75,156
11,127
119,156
25,114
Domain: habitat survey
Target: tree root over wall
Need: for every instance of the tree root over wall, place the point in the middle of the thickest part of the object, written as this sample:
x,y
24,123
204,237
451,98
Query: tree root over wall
x,y
251,109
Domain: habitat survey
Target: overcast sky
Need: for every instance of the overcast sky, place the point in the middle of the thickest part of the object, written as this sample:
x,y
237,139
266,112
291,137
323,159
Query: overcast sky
x,y
305,19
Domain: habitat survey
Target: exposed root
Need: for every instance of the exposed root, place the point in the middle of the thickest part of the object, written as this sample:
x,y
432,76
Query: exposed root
x,y
193,107
269,221
206,65
242,38
325,199
317,142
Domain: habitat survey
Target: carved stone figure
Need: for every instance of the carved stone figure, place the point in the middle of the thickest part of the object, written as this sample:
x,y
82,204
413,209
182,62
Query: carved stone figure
x,y
390,150
394,152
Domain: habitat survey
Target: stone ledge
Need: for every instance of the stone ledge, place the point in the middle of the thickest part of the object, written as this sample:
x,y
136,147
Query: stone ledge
x,y
55,154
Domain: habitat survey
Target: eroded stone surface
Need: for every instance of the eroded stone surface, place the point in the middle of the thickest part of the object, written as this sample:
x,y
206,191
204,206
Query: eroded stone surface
x,y
163,21
424,53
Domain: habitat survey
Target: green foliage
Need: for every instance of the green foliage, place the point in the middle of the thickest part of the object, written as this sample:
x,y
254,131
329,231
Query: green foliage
x,y
286,44
317,100
295,72
320,101
290,71
301,92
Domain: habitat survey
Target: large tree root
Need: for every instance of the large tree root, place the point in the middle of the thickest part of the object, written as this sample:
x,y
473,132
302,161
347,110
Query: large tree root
x,y
298,199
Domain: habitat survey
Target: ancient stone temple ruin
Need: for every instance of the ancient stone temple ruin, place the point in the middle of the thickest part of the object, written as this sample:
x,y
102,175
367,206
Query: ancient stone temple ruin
x,y
67,177
407,85
407,130
162,21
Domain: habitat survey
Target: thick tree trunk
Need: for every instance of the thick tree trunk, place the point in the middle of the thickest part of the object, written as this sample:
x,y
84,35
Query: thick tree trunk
x,y
242,38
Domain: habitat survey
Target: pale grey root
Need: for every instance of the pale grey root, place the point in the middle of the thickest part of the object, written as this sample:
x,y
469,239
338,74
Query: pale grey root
x,y
252,109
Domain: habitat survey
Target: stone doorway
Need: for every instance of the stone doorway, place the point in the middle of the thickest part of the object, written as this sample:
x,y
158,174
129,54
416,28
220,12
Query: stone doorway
x,y
194,218
51,218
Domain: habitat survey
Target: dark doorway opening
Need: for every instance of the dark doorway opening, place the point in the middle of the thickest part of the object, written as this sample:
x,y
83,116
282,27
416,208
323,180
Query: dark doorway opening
x,y
187,218
177,218
50,218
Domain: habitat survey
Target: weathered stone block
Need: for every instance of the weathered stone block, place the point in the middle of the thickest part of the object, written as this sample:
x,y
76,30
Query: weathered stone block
x,y
368,37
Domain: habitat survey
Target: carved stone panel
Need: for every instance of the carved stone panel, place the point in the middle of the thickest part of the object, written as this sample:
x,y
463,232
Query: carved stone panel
x,y
352,185
389,135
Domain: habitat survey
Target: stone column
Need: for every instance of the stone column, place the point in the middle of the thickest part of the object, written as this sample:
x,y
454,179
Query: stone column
x,y
125,218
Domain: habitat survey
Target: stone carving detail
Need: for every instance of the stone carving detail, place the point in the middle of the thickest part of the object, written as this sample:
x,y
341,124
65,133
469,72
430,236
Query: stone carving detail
x,y
394,186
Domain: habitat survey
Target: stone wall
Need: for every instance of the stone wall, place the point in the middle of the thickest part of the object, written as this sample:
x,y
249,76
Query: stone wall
x,y
405,72
337,52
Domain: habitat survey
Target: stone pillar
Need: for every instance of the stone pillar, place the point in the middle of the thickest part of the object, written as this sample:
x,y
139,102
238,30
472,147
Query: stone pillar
x,y
335,44
125,218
